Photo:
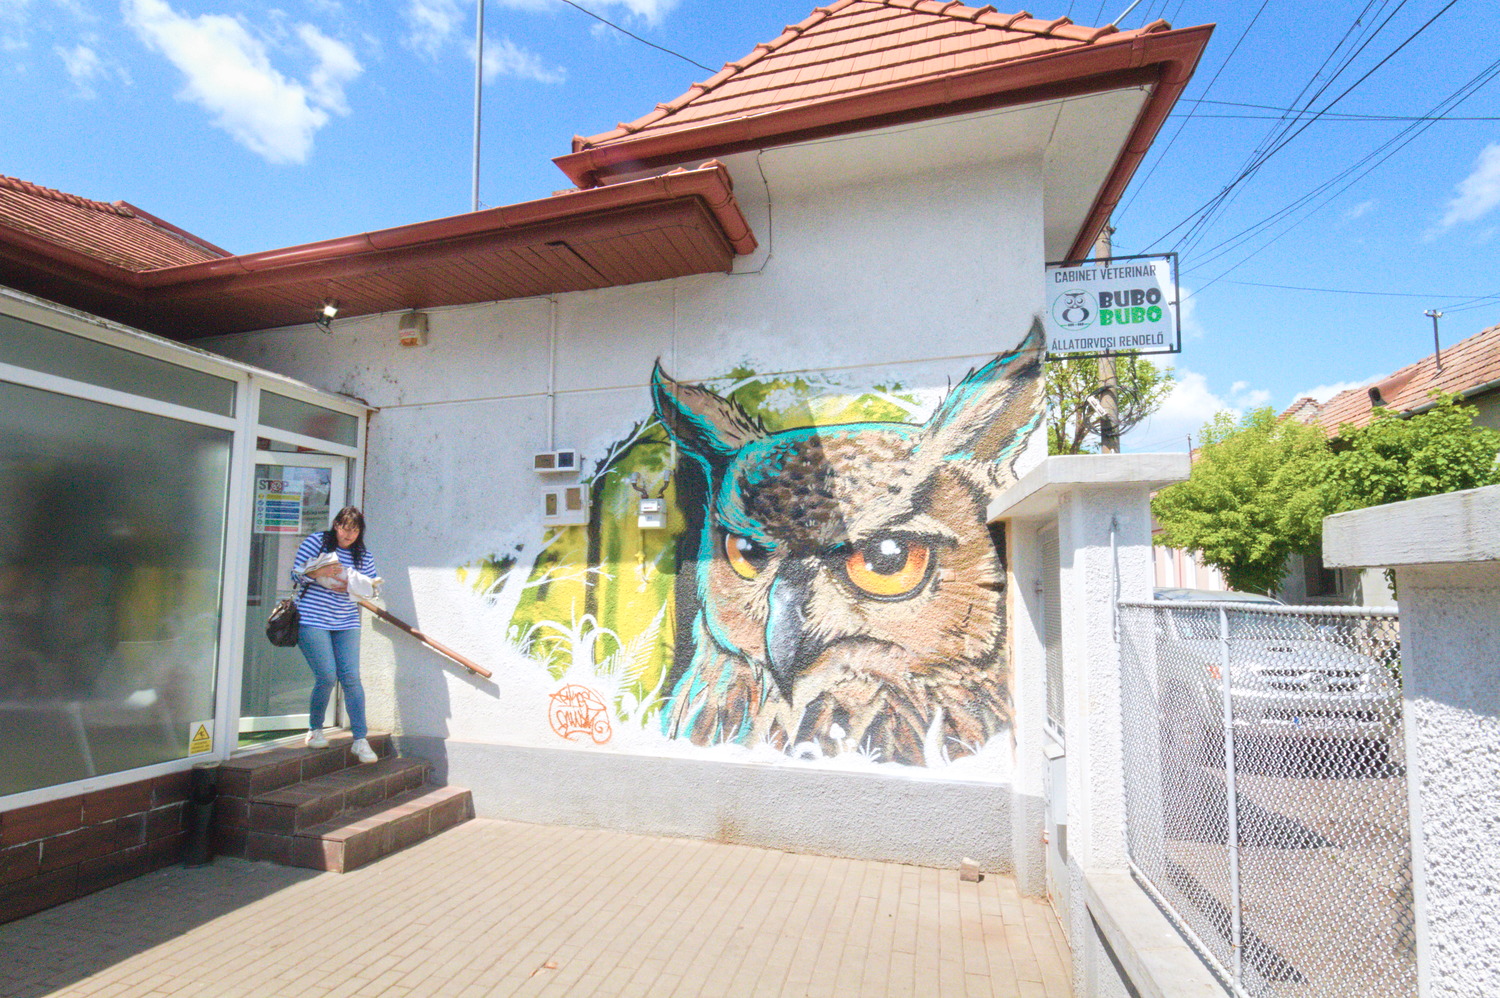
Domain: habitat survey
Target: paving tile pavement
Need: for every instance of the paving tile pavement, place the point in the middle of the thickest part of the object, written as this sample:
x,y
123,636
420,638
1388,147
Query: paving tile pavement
x,y
494,908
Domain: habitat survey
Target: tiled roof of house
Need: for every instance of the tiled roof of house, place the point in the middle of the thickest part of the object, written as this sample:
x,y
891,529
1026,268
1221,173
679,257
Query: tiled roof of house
x,y
851,46
858,65
1467,365
119,233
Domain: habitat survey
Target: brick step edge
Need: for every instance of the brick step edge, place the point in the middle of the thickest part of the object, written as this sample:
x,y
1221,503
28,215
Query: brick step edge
x,y
357,838
260,771
289,810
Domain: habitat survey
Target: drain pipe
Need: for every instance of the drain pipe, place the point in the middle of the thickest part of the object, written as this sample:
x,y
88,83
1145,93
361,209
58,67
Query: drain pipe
x,y
199,849
552,373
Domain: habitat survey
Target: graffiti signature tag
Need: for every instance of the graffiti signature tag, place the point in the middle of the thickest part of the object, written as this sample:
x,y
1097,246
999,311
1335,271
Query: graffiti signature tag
x,y
578,710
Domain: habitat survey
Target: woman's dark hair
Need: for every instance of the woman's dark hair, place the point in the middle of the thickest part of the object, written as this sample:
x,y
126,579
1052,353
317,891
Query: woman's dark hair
x,y
349,516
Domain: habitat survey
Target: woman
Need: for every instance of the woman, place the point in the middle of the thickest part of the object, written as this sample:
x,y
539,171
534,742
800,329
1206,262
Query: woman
x,y
329,632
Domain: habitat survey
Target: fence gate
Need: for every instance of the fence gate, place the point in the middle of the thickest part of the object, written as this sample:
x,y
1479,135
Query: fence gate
x,y
1265,788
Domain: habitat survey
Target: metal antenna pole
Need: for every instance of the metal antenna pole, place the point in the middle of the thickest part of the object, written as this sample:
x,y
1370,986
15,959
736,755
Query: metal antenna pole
x,y
478,90
1437,347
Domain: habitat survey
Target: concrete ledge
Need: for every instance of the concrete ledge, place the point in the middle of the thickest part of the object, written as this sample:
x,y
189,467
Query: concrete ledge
x,y
918,819
1038,491
1155,957
1453,528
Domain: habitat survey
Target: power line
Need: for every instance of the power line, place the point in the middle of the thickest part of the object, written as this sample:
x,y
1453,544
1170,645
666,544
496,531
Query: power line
x,y
1282,143
1161,157
638,38
1276,139
1384,152
1199,217
1347,291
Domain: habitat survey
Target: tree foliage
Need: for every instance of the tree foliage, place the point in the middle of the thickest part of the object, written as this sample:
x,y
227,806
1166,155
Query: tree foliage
x,y
1252,500
1260,489
1071,384
1394,459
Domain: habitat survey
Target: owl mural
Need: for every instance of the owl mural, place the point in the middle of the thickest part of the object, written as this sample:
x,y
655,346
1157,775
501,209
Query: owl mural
x,y
839,587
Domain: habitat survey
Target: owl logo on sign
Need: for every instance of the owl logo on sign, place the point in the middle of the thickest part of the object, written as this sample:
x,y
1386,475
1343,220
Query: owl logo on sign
x,y
1074,309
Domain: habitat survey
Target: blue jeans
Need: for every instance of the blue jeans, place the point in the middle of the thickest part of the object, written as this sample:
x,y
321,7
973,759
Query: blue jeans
x,y
334,654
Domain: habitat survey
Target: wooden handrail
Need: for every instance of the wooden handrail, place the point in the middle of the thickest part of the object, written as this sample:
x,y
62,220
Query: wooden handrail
x,y
436,646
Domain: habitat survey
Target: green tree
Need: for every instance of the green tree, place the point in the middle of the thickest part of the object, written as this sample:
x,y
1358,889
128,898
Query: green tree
x,y
1072,385
1392,459
1255,496
1260,489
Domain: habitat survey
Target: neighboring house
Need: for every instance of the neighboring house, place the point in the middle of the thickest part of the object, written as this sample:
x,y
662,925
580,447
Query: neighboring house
x,y
1469,369
794,305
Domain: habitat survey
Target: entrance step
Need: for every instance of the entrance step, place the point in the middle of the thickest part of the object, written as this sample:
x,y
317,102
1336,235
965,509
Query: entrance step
x,y
322,809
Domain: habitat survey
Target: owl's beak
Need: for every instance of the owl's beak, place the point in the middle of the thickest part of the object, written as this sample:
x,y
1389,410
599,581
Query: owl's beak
x,y
790,644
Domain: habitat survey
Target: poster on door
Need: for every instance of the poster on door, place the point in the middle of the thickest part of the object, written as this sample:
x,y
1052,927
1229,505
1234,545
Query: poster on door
x,y
278,506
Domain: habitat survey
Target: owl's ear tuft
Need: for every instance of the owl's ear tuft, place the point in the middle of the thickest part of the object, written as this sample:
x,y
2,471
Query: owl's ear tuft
x,y
990,414
708,425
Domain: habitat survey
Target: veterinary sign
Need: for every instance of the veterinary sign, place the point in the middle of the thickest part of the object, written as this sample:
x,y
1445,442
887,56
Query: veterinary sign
x,y
1116,305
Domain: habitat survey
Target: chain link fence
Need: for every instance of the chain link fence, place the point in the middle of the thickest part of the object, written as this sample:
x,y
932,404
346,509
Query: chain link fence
x,y
1266,793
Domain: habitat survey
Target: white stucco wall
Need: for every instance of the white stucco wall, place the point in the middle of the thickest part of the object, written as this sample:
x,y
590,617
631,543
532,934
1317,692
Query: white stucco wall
x,y
1446,553
891,275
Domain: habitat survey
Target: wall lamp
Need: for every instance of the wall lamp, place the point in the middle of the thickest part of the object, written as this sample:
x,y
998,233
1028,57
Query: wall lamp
x,y
326,316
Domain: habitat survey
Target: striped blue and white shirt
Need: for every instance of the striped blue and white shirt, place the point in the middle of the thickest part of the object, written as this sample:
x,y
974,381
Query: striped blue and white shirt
x,y
324,608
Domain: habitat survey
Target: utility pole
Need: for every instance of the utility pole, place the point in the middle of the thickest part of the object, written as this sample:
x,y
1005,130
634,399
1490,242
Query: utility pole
x,y
1437,348
478,91
1109,382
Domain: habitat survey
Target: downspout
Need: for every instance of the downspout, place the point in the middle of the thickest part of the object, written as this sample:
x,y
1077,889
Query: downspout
x,y
552,372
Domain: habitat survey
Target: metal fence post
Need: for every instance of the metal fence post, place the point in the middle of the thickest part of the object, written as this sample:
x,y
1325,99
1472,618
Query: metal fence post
x,y
1235,929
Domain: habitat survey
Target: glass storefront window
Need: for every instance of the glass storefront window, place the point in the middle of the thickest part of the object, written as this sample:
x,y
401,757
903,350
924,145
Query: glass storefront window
x,y
25,344
111,561
308,420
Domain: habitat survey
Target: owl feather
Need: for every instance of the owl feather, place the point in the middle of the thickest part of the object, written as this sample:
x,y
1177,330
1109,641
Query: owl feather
x,y
843,588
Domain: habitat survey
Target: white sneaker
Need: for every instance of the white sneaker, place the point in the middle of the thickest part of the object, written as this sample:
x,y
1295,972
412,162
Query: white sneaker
x,y
363,752
315,738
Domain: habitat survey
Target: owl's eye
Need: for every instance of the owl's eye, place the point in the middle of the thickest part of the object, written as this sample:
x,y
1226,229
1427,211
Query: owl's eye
x,y
889,567
746,557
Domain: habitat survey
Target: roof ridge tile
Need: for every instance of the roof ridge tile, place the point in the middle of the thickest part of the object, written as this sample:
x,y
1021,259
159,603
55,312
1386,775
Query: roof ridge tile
x,y
63,197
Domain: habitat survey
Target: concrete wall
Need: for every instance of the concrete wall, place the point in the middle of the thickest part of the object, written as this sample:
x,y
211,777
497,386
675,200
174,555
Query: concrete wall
x,y
1446,553
869,299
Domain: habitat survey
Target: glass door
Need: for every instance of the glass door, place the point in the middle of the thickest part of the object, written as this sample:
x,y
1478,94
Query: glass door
x,y
295,495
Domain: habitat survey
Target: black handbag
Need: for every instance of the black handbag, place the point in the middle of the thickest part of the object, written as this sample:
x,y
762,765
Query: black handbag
x,y
283,626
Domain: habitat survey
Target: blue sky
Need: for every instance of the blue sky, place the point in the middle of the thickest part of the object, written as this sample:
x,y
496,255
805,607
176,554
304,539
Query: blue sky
x,y
259,126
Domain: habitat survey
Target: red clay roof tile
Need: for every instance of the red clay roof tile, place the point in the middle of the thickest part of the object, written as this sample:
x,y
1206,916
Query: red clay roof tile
x,y
857,45
1467,365
118,233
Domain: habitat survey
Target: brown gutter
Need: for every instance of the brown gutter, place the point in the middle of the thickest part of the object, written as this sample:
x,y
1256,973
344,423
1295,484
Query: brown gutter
x,y
710,183
1163,59
1177,59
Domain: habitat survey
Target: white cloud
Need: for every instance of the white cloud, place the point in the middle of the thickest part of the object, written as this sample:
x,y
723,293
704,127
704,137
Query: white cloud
x,y
229,74
1358,211
1478,193
1187,312
438,26
87,68
504,58
1325,392
433,23
1190,405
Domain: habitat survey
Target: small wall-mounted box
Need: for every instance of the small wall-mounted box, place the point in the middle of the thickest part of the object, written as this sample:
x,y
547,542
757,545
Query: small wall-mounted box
x,y
652,514
413,329
555,462
565,507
